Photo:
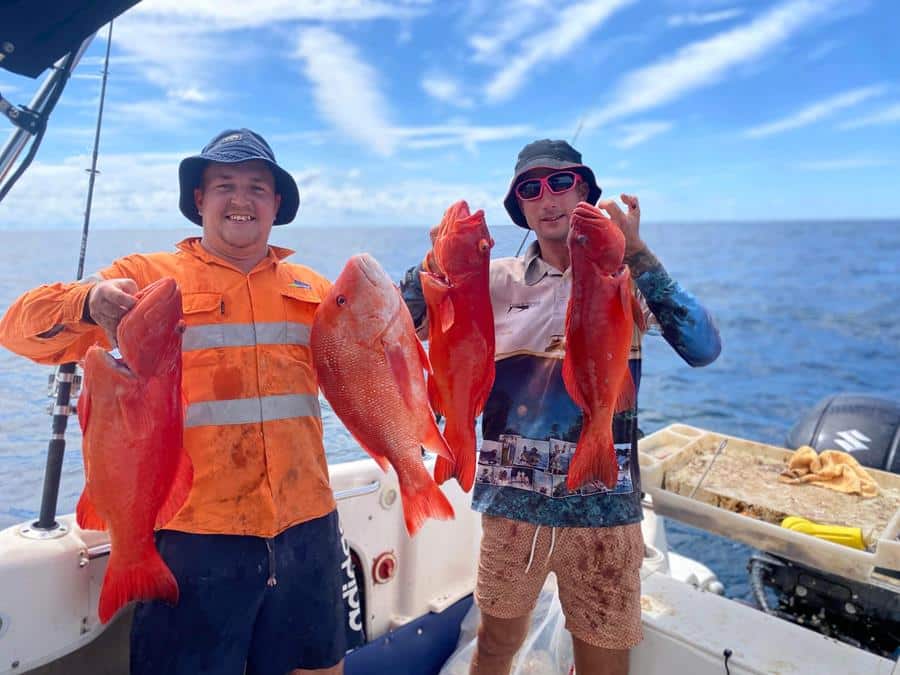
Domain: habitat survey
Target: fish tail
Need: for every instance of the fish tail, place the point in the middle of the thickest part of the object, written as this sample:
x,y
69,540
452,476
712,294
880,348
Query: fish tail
x,y
461,439
149,579
423,501
444,469
594,458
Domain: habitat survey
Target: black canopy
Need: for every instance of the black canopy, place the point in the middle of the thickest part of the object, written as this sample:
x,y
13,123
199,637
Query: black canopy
x,y
35,33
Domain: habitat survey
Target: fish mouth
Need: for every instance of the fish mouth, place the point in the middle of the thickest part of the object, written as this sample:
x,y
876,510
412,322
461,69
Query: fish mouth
x,y
116,363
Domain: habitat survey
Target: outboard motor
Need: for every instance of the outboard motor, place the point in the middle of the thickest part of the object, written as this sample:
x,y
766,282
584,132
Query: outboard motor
x,y
857,613
866,427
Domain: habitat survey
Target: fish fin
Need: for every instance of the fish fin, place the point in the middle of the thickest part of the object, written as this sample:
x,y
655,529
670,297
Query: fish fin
x,y
86,514
630,303
438,293
627,398
182,482
423,501
148,579
461,439
423,357
448,314
400,369
637,313
380,460
434,396
571,382
435,442
595,457
83,407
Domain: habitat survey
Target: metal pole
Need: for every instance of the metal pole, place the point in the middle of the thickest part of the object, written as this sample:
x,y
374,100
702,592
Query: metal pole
x,y
65,375
19,138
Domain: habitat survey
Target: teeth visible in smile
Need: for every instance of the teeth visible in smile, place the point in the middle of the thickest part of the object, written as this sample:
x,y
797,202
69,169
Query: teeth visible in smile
x,y
240,219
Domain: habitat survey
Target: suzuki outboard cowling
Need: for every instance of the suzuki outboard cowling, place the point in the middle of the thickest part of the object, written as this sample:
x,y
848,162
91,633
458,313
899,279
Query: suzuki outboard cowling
x,y
864,615
864,426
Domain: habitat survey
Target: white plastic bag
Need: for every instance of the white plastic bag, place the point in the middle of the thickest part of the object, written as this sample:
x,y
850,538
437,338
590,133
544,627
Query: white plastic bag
x,y
547,649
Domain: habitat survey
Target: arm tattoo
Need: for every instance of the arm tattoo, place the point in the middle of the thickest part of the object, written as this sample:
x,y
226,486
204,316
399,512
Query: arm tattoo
x,y
641,261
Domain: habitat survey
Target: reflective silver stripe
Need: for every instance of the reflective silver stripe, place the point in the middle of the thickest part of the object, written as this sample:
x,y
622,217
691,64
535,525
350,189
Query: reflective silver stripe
x,y
248,410
244,335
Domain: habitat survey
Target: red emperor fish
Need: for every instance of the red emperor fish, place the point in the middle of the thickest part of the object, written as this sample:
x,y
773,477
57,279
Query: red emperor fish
x,y
600,321
369,364
137,474
460,334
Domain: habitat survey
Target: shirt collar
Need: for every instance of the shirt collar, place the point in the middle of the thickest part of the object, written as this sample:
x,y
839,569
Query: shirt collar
x,y
192,246
536,268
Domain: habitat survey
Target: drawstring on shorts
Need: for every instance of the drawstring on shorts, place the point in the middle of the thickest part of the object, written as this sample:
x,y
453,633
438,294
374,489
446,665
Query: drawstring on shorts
x,y
534,545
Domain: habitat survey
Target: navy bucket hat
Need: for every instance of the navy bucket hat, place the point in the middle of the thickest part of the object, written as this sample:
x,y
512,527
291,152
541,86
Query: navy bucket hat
x,y
231,147
547,154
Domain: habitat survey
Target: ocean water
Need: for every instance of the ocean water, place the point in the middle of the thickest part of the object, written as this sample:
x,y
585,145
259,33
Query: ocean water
x,y
805,309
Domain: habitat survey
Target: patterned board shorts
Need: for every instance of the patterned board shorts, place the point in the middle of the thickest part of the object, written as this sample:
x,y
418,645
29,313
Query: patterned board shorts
x,y
597,571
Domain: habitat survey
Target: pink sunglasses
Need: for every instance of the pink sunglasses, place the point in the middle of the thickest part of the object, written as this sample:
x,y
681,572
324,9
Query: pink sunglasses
x,y
558,183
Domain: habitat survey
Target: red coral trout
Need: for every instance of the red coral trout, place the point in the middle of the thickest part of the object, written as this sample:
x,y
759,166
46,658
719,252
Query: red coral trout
x,y
137,474
600,322
369,364
460,334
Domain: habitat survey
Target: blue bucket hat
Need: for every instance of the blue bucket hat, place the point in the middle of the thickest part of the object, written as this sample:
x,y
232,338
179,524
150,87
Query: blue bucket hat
x,y
233,146
547,154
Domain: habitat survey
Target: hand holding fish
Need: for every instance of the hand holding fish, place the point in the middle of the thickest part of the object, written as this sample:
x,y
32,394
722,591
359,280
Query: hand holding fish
x,y
629,223
108,301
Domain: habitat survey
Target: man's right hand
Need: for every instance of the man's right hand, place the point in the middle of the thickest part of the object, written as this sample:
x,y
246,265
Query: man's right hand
x,y
108,301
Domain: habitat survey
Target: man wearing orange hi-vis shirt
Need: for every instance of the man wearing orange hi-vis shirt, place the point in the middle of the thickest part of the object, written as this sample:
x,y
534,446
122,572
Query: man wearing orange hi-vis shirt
x,y
256,547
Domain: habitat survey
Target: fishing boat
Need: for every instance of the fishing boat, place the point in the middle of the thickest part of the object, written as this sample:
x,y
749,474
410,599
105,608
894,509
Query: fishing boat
x,y
822,606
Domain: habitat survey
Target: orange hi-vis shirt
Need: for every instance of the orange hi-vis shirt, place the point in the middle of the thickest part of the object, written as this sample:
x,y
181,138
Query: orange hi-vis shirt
x,y
253,428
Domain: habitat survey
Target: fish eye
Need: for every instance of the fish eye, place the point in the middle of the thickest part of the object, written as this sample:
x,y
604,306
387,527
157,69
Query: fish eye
x,y
341,300
484,245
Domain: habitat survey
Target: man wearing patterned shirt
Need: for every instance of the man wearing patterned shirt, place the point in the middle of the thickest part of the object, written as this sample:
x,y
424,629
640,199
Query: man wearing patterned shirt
x,y
532,524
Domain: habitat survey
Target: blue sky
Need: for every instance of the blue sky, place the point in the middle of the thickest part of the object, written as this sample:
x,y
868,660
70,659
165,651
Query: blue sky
x,y
386,111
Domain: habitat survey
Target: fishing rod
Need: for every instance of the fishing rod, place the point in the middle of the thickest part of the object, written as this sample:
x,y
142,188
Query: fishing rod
x,y
66,379
574,138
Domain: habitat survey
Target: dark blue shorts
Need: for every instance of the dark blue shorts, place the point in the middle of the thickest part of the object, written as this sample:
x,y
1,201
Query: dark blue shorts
x,y
271,605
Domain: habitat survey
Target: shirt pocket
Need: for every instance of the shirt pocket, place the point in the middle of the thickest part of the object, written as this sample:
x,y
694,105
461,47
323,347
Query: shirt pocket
x,y
204,337
300,307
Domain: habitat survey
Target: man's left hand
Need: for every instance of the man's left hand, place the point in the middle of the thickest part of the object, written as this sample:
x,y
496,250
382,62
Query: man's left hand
x,y
629,223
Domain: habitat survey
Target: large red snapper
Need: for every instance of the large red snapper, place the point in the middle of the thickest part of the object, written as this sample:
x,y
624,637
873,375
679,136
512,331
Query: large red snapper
x,y
369,365
460,334
137,474
600,321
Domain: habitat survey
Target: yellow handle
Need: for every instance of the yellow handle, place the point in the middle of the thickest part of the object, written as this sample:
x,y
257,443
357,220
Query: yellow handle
x,y
846,536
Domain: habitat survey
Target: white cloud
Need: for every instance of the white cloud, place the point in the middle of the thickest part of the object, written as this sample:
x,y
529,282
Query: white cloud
x,y
206,15
574,23
843,164
143,189
189,95
447,90
705,62
515,21
635,134
889,115
822,50
153,113
345,88
449,135
697,19
816,111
